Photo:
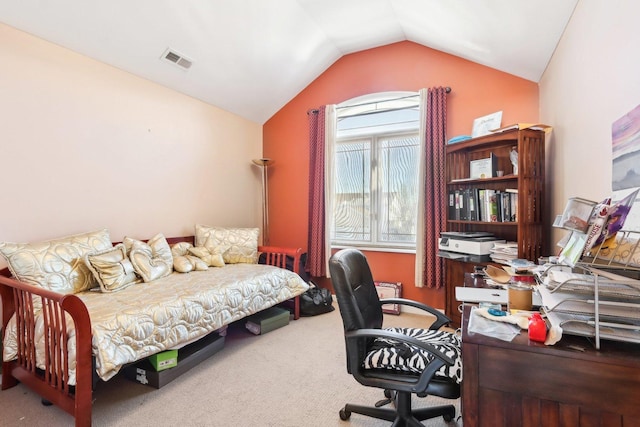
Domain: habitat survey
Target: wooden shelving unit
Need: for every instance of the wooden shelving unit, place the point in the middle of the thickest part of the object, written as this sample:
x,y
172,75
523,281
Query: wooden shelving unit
x,y
527,230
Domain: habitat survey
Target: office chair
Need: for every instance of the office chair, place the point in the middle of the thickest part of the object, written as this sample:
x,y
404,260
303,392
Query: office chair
x,y
401,361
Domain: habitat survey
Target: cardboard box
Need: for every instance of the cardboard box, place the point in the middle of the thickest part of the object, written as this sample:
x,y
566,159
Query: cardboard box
x,y
164,360
267,320
188,357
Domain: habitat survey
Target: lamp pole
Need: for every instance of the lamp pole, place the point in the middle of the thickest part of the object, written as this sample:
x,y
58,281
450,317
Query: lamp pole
x,y
264,163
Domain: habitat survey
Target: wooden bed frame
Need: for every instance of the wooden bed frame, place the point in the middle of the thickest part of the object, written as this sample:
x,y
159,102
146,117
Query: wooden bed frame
x,y
52,383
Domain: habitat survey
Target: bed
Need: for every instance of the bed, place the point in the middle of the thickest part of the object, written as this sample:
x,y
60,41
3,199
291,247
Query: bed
x,y
57,344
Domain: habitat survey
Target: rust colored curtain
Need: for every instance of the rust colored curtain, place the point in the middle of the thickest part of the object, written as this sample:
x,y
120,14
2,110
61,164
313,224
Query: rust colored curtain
x,y
432,214
316,255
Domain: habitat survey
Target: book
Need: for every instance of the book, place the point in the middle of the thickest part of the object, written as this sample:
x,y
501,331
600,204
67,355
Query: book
x,y
514,206
464,209
482,214
491,205
473,204
506,207
499,206
522,126
452,205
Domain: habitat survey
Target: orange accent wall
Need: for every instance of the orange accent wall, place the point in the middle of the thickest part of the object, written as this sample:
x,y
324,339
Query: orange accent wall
x,y
476,91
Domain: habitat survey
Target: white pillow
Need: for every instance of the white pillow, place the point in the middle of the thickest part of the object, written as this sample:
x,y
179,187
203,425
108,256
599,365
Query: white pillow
x,y
184,261
151,260
111,268
242,243
56,265
212,259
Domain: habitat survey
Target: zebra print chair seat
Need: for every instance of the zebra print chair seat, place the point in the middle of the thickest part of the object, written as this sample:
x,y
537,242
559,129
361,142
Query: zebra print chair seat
x,y
402,361
398,356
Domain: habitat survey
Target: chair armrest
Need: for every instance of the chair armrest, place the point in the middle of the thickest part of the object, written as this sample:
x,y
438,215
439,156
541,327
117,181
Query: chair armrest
x,y
441,319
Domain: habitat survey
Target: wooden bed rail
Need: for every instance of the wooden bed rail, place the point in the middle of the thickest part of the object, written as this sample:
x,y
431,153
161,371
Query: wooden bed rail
x,y
278,256
52,382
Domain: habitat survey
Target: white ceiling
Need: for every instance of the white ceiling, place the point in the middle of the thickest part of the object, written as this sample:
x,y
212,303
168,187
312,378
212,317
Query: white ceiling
x,y
251,57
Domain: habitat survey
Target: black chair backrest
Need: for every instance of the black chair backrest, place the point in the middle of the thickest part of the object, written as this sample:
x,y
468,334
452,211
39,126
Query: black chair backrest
x,y
355,290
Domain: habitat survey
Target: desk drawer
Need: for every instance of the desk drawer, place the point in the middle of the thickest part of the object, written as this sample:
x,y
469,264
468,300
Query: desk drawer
x,y
496,296
475,295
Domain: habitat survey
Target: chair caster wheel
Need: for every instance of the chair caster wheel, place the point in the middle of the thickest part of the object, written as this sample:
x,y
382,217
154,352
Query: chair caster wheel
x,y
45,402
344,414
388,393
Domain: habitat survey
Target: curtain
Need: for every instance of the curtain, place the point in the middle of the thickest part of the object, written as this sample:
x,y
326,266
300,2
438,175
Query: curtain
x,y
322,131
431,206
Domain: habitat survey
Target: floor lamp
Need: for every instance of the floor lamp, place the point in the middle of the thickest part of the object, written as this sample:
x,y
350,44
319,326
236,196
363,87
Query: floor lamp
x,y
264,165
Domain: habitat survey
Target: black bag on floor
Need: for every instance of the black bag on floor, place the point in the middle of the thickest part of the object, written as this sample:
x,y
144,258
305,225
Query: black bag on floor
x,y
315,301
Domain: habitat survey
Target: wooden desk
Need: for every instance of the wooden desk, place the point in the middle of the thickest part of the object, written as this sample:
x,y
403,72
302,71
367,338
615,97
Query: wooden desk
x,y
522,383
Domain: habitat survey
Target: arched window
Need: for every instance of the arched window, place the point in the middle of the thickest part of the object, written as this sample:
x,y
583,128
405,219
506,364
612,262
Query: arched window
x,y
376,164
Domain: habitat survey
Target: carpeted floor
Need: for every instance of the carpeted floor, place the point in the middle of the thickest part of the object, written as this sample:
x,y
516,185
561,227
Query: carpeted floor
x,y
294,376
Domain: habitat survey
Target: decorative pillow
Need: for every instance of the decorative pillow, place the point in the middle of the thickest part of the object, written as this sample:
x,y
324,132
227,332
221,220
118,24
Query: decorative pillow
x,y
56,265
389,354
183,261
242,242
151,260
213,259
111,268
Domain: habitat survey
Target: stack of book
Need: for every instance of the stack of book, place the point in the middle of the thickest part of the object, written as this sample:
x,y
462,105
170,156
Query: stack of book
x,y
488,205
503,253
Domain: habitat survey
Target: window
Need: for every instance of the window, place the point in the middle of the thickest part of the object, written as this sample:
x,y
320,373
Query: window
x,y
376,175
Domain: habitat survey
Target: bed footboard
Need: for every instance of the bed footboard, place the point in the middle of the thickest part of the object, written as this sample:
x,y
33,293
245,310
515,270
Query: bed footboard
x,y
281,257
51,382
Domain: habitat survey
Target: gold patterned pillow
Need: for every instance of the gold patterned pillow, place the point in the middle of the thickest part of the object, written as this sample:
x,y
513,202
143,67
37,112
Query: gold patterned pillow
x,y
242,243
56,265
211,258
184,261
151,260
111,268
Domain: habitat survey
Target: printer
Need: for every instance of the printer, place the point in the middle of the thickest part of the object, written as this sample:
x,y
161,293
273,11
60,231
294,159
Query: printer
x,y
469,243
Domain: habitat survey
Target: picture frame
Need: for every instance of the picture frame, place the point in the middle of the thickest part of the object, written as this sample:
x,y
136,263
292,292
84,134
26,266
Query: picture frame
x,y
483,125
482,168
389,290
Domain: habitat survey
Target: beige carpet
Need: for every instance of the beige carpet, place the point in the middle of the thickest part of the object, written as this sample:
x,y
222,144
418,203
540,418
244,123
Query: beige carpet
x,y
291,377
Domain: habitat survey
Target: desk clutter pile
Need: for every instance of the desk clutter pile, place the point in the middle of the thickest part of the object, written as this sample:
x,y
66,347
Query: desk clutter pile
x,y
594,290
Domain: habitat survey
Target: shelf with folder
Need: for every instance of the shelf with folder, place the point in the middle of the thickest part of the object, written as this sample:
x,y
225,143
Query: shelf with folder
x,y
522,185
483,205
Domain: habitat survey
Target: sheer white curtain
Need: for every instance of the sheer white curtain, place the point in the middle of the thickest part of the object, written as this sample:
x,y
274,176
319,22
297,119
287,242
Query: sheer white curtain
x,y
331,126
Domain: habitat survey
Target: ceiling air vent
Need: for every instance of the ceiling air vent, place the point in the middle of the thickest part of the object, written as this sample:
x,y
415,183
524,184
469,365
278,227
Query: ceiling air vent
x,y
176,58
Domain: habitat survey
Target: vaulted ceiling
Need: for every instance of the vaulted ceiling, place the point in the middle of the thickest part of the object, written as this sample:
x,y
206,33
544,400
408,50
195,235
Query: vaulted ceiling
x,y
251,57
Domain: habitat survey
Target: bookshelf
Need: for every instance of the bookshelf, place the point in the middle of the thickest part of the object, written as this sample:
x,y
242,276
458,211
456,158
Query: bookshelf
x,y
526,226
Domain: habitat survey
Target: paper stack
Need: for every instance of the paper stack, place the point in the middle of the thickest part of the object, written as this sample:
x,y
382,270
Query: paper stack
x,y
504,252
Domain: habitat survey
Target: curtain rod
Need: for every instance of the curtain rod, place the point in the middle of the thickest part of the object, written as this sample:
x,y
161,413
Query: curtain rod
x,y
315,110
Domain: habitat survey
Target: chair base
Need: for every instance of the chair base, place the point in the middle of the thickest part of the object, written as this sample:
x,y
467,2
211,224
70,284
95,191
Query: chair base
x,y
403,415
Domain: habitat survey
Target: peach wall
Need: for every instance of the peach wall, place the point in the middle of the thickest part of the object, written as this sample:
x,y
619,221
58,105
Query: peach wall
x,y
476,91
87,146
590,82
